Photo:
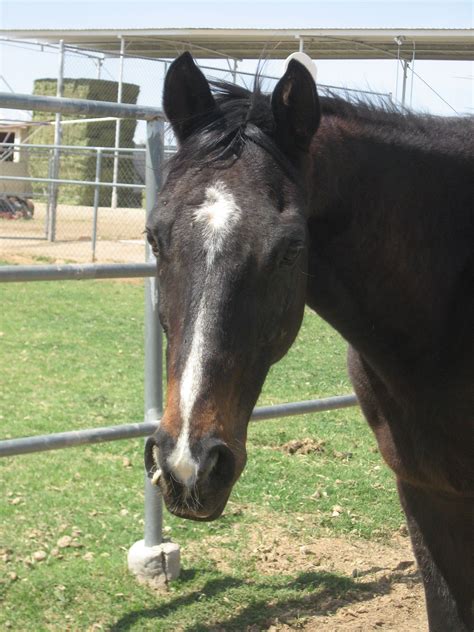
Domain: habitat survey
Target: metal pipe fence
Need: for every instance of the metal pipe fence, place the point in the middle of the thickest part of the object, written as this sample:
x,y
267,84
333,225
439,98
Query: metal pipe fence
x,y
70,439
91,183
153,332
23,273
29,145
90,107
153,396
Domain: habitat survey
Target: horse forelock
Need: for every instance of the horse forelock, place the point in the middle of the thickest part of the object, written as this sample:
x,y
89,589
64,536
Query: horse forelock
x,y
242,117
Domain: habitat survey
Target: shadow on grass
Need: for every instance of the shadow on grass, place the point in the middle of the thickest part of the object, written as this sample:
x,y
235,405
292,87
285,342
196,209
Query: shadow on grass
x,y
211,589
261,602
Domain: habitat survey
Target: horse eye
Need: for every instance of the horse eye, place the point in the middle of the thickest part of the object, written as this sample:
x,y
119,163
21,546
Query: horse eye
x,y
164,324
153,243
292,253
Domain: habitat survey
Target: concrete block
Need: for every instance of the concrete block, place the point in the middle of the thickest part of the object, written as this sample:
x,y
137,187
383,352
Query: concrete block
x,y
154,565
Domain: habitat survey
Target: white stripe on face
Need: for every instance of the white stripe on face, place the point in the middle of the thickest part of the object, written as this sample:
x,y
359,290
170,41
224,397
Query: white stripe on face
x,y
218,215
182,464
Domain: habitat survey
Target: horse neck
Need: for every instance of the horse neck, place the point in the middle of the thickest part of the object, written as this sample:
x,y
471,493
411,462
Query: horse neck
x,y
383,252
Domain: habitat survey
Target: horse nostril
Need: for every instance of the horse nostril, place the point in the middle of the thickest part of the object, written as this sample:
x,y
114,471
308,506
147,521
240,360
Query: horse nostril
x,y
209,465
219,466
152,466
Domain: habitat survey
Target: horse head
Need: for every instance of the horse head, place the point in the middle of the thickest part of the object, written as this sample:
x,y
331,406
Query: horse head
x,y
229,233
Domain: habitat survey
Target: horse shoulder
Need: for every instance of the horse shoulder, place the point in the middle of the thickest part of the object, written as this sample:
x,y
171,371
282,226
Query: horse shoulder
x,y
421,435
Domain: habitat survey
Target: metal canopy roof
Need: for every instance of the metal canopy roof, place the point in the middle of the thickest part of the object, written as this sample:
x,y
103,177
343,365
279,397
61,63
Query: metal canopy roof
x,y
447,44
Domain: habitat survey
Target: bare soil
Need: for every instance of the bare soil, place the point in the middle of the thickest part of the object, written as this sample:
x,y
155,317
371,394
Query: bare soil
x,y
120,236
386,592
394,600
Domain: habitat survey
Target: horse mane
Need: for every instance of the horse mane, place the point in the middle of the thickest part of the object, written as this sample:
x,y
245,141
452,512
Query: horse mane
x,y
385,121
245,116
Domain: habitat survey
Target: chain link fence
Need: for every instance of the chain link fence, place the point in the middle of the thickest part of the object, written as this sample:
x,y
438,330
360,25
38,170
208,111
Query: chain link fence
x,y
86,227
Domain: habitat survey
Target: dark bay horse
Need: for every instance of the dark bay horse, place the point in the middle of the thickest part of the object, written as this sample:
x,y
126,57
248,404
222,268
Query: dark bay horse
x,y
365,214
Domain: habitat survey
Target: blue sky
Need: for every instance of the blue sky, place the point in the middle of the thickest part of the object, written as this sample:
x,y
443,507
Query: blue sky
x,y
453,80
226,13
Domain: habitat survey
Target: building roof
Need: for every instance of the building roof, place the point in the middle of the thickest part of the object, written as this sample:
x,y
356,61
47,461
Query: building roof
x,y
347,43
11,126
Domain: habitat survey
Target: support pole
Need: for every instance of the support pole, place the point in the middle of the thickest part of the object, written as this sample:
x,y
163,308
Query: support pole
x,y
412,74
53,191
234,71
98,169
48,201
153,561
153,331
404,84
117,125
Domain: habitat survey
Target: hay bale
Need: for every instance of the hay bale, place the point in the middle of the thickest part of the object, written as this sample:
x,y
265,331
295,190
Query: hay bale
x,y
101,134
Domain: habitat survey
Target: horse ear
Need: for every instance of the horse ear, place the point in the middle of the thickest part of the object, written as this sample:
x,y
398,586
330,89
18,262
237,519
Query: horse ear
x,y
296,110
187,99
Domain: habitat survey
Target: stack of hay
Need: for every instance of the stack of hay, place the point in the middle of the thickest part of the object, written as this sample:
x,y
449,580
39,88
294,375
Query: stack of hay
x,y
79,165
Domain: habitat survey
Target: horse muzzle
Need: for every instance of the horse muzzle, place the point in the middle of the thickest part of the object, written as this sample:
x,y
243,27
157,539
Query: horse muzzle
x,y
194,488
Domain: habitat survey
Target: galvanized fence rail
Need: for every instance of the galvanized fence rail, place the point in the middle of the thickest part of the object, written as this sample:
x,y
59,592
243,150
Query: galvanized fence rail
x,y
153,396
90,107
59,440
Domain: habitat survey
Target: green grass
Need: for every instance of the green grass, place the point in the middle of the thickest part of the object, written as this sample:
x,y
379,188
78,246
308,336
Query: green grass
x,y
72,357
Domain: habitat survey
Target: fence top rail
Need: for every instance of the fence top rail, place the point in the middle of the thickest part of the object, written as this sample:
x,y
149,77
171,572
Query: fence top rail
x,y
86,183
64,105
76,272
6,145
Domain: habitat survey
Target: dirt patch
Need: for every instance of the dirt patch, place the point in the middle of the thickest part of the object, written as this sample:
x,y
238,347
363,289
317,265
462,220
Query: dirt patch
x,y
380,587
303,446
43,252
120,236
390,596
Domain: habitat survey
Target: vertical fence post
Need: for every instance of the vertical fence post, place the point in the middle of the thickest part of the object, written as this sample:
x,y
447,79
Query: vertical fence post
x,y
48,199
118,123
53,192
98,169
153,332
153,561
